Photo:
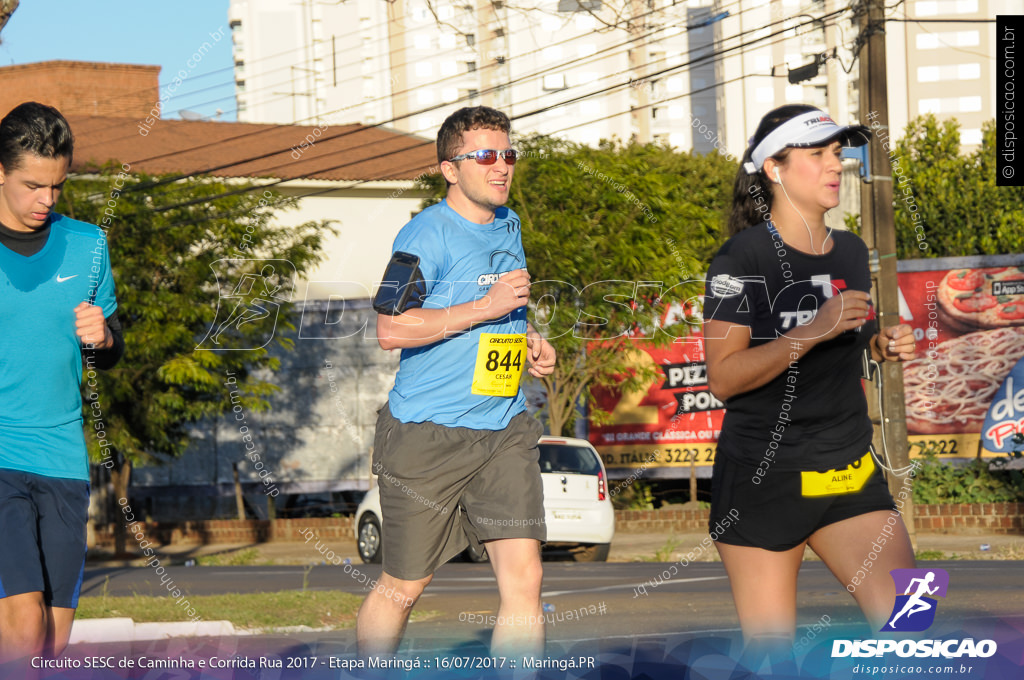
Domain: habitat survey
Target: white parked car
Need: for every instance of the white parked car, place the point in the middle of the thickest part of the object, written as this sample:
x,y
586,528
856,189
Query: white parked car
x,y
577,509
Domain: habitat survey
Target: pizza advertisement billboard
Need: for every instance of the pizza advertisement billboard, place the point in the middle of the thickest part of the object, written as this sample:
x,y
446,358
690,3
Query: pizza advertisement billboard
x,y
673,424
968,318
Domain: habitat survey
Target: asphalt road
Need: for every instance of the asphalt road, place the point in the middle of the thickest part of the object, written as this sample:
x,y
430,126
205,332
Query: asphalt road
x,y
604,598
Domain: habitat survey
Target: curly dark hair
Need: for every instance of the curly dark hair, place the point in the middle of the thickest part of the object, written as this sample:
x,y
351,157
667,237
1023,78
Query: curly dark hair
x,y
449,137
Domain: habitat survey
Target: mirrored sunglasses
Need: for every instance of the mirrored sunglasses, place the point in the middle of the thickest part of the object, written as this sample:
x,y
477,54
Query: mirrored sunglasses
x,y
488,156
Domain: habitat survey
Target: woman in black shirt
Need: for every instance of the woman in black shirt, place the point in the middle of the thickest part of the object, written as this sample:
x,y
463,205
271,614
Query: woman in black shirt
x,y
787,319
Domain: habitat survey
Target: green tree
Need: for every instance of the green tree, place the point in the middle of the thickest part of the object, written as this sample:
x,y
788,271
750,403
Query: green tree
x,y
962,211
614,236
171,268
7,8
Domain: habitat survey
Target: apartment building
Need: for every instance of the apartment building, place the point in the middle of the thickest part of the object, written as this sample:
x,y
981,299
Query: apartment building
x,y
690,73
585,71
941,58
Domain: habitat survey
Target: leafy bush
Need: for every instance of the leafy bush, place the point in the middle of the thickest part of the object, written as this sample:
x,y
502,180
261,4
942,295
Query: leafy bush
x,y
980,481
634,496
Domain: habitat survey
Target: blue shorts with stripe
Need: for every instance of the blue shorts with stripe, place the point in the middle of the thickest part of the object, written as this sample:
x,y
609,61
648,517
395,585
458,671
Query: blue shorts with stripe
x,y
42,525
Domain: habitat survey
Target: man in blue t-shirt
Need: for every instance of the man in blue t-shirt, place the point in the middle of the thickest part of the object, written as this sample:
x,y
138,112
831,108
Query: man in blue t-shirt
x,y
58,306
455,451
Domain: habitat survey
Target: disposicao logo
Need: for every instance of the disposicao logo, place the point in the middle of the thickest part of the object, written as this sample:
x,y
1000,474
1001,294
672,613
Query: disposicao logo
x,y
913,612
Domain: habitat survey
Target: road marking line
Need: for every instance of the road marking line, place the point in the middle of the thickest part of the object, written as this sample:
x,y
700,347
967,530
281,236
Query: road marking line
x,y
553,593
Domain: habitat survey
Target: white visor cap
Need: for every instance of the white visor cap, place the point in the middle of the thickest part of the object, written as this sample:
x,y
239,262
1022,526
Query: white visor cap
x,y
814,128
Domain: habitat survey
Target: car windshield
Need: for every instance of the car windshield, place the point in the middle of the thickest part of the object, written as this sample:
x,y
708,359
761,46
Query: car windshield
x,y
572,459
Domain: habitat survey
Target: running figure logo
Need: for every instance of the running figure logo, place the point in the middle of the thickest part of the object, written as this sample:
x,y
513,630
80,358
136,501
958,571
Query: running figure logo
x,y
914,610
251,295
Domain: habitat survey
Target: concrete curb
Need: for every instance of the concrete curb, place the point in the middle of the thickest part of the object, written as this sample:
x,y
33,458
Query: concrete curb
x,y
127,630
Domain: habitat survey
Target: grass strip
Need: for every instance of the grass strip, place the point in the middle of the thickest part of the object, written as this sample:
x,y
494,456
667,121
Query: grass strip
x,y
313,608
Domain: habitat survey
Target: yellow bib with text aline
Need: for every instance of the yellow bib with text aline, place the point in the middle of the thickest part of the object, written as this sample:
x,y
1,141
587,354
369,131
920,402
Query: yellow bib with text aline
x,y
850,479
500,359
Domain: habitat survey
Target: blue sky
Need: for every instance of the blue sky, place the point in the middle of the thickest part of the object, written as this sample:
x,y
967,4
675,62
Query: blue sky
x,y
154,32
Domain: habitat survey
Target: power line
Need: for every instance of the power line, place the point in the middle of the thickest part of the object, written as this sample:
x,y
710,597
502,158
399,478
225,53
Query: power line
x,y
439,23
357,183
941,21
537,74
209,170
434,107
306,61
374,27
431,142
710,56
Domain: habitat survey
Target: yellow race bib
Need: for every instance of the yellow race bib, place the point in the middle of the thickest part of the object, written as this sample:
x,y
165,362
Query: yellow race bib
x,y
500,359
835,482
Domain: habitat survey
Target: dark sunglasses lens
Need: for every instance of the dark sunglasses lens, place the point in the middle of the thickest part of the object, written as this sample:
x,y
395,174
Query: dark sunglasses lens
x,y
486,156
510,156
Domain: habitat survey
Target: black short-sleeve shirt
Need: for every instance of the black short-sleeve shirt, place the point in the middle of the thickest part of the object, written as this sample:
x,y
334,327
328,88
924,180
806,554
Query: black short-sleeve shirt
x,y
813,416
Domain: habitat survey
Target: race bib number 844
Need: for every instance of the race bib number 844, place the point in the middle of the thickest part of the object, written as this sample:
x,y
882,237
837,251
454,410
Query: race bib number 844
x,y
499,365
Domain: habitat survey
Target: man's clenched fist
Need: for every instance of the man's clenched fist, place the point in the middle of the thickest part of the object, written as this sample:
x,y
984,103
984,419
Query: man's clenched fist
x,y
91,326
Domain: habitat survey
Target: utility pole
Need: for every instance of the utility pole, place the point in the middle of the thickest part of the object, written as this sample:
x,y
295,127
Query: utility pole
x,y
879,229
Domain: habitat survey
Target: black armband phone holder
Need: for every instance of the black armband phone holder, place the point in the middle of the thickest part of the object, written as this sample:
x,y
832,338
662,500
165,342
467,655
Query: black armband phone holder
x,y
402,287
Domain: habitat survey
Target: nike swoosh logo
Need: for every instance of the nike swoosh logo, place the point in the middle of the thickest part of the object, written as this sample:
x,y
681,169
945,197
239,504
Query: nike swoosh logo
x,y
66,278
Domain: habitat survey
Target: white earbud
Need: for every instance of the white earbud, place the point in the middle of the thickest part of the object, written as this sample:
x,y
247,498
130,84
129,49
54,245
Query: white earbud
x,y
778,180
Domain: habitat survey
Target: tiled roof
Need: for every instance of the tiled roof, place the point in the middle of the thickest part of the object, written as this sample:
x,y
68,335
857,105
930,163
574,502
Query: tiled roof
x,y
345,152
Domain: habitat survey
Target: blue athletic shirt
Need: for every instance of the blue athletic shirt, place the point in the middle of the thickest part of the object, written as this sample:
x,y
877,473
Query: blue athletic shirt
x,y
41,370
459,260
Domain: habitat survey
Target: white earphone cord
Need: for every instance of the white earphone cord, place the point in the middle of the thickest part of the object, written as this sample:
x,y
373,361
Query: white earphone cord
x,y
903,471
806,226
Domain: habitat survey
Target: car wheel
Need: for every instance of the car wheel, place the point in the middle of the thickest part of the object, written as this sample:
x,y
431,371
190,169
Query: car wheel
x,y
593,552
369,539
473,554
